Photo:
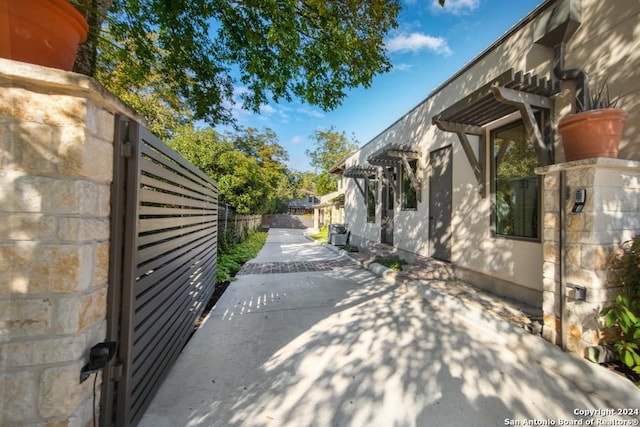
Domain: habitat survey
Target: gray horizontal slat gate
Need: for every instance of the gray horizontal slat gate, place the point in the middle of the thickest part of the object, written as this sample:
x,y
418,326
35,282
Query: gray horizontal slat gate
x,y
163,266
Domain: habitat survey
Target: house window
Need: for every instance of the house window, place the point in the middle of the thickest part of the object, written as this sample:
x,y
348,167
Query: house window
x,y
409,191
515,186
388,190
372,188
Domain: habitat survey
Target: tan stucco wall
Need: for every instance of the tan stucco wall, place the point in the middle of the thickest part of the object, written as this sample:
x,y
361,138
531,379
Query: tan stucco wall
x,y
607,46
605,24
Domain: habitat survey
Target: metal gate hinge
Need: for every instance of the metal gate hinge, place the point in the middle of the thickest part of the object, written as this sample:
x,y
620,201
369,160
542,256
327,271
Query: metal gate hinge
x,y
126,149
116,371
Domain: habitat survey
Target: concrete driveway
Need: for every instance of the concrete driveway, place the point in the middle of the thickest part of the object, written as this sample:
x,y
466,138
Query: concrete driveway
x,y
331,344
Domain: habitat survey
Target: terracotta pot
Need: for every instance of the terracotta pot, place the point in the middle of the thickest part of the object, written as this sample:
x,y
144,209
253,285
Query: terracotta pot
x,y
42,32
593,133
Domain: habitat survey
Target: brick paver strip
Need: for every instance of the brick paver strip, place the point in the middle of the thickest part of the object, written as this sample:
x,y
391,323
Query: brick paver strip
x,y
296,266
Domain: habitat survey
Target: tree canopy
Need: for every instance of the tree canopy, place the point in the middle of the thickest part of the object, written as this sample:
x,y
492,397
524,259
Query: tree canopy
x,y
313,50
248,166
330,146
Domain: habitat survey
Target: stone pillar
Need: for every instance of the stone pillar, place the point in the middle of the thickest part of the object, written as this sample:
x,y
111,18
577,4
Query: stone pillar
x,y
56,156
609,218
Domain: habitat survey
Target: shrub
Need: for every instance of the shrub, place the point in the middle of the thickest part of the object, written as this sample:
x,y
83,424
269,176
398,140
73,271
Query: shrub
x,y
322,236
231,257
624,313
392,263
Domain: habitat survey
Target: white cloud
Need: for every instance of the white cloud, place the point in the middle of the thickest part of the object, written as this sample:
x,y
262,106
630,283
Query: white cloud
x,y
310,112
402,67
415,42
267,109
456,7
297,139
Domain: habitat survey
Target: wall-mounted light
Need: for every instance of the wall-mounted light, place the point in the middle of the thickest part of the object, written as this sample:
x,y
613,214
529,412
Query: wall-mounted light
x,y
99,356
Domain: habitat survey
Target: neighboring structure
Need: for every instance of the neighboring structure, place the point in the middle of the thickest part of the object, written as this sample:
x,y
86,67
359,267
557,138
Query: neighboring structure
x,y
330,210
458,177
303,205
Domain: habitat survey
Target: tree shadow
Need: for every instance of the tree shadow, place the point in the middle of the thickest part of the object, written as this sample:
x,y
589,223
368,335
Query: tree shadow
x,y
372,356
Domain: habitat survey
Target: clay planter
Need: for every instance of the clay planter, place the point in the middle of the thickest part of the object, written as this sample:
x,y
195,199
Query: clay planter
x,y
42,32
592,133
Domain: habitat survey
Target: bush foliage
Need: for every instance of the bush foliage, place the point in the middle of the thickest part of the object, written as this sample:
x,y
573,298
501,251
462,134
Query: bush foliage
x,y
231,258
624,313
393,263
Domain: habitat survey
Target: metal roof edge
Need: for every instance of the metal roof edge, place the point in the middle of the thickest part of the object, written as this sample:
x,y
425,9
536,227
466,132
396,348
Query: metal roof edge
x,y
517,26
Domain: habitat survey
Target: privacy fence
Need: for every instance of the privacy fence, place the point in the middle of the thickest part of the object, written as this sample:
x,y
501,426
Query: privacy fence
x,y
233,228
163,265
108,235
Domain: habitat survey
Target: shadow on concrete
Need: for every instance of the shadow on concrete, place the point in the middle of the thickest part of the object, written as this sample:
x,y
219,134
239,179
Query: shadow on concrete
x,y
367,355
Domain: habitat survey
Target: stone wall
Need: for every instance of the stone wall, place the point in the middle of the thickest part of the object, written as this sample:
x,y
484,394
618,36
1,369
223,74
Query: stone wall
x,y
56,155
610,217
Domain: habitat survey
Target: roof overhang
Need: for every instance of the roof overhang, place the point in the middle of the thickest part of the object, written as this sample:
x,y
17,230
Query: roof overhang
x,y
339,167
484,105
391,155
359,171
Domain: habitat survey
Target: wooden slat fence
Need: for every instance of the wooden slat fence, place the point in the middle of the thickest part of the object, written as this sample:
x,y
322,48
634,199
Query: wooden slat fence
x,y
233,228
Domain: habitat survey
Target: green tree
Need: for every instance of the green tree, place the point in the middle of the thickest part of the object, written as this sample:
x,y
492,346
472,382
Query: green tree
x,y
330,147
263,146
245,182
312,50
150,95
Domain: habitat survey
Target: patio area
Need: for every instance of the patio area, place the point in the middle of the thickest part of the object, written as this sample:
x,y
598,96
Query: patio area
x,y
425,274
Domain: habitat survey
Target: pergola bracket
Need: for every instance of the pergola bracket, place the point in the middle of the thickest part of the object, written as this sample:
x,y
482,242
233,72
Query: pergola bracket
x,y
364,195
476,165
525,102
411,175
394,183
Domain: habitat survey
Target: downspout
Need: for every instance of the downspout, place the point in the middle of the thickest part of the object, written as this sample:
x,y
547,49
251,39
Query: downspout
x,y
578,74
554,29
562,259
582,98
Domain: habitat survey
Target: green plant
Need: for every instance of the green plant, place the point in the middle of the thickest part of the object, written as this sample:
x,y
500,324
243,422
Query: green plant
x,y
624,313
599,100
392,263
230,259
322,236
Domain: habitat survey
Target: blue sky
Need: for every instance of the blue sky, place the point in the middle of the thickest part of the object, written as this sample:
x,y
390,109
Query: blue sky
x,y
430,44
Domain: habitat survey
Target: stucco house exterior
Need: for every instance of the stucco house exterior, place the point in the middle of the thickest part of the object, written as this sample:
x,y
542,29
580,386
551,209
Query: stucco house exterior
x,y
303,205
330,210
475,173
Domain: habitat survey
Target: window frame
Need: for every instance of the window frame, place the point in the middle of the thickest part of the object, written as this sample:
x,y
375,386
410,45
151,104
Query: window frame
x,y
403,198
493,183
371,184
390,195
